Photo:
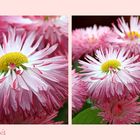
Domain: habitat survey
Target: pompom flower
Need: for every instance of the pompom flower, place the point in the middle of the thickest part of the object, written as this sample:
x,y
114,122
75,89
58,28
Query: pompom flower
x,y
120,111
85,41
111,73
79,92
128,34
30,80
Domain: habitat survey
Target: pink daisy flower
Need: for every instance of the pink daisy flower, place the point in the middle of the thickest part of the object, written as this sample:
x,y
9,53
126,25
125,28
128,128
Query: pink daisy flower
x,y
29,79
79,92
128,34
54,29
120,111
111,73
85,41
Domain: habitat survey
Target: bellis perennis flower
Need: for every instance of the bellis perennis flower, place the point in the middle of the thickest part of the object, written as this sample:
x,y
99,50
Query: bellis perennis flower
x,y
120,111
30,80
53,28
128,34
85,41
111,73
79,92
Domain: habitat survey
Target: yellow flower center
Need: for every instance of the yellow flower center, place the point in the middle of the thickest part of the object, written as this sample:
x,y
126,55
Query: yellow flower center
x,y
110,64
14,58
132,35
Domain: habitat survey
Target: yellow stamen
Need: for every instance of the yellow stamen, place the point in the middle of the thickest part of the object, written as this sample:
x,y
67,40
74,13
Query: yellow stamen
x,y
132,35
113,64
15,58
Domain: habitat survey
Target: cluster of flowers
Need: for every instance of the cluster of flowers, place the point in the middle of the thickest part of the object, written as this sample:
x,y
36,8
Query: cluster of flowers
x,y
33,68
109,58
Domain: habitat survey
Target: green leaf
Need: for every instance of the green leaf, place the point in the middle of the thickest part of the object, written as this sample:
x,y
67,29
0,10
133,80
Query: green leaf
x,y
88,116
87,104
76,66
63,114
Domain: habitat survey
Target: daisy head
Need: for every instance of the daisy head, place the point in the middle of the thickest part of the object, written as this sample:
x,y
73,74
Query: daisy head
x,y
120,111
30,79
53,28
85,41
79,92
128,33
111,73
56,31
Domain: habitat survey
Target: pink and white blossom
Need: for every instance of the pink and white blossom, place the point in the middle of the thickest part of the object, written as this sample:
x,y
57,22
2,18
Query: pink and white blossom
x,y
79,92
128,34
120,111
30,80
86,41
111,73
53,28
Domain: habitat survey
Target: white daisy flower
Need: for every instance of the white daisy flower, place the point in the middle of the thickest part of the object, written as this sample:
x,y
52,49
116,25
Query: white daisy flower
x,y
111,73
29,79
128,34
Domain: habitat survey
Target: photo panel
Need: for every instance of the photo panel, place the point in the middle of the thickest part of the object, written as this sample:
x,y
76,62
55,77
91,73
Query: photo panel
x,y
105,70
33,69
